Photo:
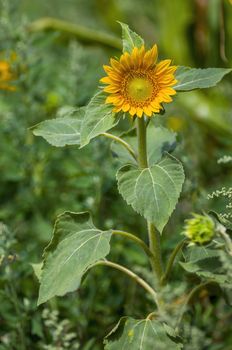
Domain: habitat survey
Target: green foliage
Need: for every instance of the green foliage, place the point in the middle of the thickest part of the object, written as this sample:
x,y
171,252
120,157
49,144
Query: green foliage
x,y
152,192
76,245
61,131
197,78
98,118
55,70
62,336
206,264
130,39
141,335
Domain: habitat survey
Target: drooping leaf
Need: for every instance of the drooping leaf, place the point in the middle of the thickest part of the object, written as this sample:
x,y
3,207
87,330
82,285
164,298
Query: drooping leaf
x,y
159,141
197,78
98,118
195,253
61,131
206,263
130,39
131,334
75,246
152,192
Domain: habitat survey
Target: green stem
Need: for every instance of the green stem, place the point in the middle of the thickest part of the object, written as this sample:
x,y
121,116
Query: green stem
x,y
171,261
154,239
131,274
135,239
154,236
142,143
122,142
82,33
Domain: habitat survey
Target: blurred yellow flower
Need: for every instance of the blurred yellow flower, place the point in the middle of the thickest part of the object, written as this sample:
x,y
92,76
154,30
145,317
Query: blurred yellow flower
x,y
137,84
6,76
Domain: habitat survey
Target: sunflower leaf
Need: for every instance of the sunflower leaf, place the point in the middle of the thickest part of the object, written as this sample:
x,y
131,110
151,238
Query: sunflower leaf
x,y
76,245
144,334
98,118
205,262
61,131
197,78
152,192
130,39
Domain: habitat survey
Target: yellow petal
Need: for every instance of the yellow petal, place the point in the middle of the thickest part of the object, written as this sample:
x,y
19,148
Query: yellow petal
x,y
110,99
169,91
107,69
139,112
112,89
148,111
105,80
126,107
132,111
161,66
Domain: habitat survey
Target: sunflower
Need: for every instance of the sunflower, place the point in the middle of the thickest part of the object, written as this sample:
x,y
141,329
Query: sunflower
x,y
6,76
138,84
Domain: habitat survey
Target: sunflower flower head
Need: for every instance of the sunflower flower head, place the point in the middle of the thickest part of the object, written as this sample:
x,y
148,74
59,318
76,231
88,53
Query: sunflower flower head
x,y
200,229
137,84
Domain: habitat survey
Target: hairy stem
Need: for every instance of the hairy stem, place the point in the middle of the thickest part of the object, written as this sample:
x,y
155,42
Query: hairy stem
x,y
154,239
142,143
131,274
154,236
122,142
171,260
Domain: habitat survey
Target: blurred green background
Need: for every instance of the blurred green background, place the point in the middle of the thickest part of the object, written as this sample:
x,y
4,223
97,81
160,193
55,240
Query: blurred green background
x,y
56,69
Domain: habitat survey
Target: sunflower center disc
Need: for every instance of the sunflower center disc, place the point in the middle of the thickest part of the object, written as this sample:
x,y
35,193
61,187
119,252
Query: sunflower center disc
x,y
139,89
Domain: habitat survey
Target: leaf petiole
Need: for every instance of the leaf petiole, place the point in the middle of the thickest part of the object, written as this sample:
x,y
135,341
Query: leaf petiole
x,y
122,142
131,274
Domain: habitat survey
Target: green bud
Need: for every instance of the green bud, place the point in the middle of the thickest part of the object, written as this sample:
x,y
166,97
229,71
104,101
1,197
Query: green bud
x,y
200,229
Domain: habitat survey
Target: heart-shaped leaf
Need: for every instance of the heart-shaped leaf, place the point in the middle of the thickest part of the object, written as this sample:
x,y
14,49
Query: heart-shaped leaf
x,y
61,131
75,246
152,192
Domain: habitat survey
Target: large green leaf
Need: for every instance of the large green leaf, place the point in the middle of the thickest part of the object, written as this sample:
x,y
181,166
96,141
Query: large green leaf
x,y
152,192
197,78
159,140
75,246
63,131
206,263
98,118
130,39
131,334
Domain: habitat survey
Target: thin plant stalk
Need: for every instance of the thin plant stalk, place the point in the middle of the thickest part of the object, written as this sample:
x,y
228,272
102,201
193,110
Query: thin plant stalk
x,y
131,274
154,236
122,142
171,261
